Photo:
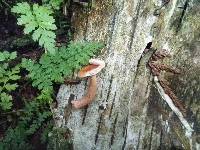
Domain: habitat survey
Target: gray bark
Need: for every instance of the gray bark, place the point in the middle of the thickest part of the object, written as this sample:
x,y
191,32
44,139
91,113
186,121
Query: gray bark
x,y
136,116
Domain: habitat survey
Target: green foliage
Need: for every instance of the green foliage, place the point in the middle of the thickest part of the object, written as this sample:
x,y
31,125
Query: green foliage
x,y
38,21
46,130
6,56
6,103
7,76
55,68
34,116
55,4
59,139
46,94
15,140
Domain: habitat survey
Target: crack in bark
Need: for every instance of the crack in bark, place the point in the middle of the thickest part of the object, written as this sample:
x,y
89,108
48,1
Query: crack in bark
x,y
109,89
84,116
161,138
125,126
98,128
182,15
137,148
125,133
124,145
101,93
134,24
113,102
151,135
113,131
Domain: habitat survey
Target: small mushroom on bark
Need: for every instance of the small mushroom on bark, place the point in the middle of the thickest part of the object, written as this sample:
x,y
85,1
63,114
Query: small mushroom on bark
x,y
90,71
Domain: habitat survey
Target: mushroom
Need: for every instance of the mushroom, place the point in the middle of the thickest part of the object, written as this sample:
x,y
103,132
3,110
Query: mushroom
x,y
93,68
90,71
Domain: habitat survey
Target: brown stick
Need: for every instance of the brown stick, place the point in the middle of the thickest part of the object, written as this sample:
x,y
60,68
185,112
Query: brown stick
x,y
156,69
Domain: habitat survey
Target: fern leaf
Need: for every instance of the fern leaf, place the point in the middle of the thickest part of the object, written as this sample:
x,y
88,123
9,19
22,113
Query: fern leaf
x,y
47,40
36,35
10,87
21,8
30,27
5,102
13,55
14,77
38,21
5,56
7,76
15,70
2,56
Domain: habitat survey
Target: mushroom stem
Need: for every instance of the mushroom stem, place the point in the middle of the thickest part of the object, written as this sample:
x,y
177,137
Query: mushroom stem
x,y
90,95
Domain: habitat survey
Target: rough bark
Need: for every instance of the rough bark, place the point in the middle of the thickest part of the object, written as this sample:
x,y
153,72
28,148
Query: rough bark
x,y
136,117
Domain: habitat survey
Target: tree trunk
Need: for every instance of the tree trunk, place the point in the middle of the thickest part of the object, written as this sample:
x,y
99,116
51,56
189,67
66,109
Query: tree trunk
x,y
136,116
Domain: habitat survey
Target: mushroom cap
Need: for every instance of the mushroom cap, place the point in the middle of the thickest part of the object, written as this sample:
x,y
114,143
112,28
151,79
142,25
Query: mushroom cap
x,y
85,71
93,68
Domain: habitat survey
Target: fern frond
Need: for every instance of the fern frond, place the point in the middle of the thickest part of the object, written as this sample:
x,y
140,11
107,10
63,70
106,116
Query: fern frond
x,y
7,76
55,68
39,22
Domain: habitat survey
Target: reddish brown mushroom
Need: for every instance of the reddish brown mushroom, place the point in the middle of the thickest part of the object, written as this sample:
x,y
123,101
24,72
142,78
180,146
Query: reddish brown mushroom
x,y
89,71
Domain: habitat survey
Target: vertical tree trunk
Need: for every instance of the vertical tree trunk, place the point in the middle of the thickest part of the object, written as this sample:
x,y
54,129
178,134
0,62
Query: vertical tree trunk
x,y
135,116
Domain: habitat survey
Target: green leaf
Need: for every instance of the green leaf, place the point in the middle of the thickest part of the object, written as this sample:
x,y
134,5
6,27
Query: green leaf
x,y
21,8
38,21
2,57
14,77
10,87
7,74
5,102
15,70
13,55
30,27
36,35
